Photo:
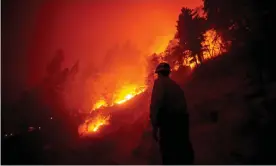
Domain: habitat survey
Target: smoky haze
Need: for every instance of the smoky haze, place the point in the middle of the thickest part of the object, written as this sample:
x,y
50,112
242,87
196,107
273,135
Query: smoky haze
x,y
101,34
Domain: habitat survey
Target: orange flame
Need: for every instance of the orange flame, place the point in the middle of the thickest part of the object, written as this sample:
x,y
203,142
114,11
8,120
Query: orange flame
x,y
92,125
99,104
127,93
213,44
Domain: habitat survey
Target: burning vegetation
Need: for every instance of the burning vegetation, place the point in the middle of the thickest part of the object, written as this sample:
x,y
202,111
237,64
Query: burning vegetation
x,y
93,124
127,72
72,102
212,46
192,45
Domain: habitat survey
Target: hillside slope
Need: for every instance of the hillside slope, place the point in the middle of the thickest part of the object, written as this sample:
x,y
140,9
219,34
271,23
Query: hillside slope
x,y
228,122
224,122
220,118
223,126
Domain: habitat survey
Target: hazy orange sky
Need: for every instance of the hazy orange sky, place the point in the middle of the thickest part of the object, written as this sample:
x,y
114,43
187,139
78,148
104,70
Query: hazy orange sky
x,y
85,29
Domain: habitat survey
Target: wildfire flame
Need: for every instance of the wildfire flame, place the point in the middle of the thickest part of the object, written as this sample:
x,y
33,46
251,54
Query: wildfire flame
x,y
213,46
99,104
92,125
128,93
121,96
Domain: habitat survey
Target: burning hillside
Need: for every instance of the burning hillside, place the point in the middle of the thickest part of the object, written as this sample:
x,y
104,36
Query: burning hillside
x,y
111,72
126,69
94,123
100,117
121,79
121,96
213,46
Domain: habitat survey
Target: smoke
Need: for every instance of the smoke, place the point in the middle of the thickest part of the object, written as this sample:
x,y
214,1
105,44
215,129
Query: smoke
x,y
91,31
86,30
111,40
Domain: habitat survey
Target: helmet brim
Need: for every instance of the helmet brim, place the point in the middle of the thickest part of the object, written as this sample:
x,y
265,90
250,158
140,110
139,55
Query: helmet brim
x,y
161,70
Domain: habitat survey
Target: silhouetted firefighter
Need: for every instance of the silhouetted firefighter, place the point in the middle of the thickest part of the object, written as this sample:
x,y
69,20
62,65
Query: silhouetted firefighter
x,y
169,118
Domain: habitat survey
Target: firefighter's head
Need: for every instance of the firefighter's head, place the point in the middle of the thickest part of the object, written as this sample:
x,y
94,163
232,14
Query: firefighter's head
x,y
163,69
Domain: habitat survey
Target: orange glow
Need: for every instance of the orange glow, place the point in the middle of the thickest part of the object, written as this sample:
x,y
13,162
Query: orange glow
x,y
99,104
176,67
213,44
190,61
120,96
124,92
112,71
92,125
128,93
145,23
161,44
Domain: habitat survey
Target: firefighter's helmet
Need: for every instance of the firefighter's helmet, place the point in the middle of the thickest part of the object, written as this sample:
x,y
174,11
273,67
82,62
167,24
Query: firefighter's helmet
x,y
163,67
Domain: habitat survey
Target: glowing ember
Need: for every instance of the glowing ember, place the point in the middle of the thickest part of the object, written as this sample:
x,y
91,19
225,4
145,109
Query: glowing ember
x,y
176,67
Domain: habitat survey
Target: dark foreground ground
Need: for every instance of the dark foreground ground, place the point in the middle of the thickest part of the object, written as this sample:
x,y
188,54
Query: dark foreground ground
x,y
229,124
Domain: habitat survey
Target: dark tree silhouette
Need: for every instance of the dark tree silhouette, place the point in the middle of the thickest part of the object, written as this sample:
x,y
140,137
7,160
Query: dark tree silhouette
x,y
190,29
200,27
234,19
174,53
248,24
184,25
